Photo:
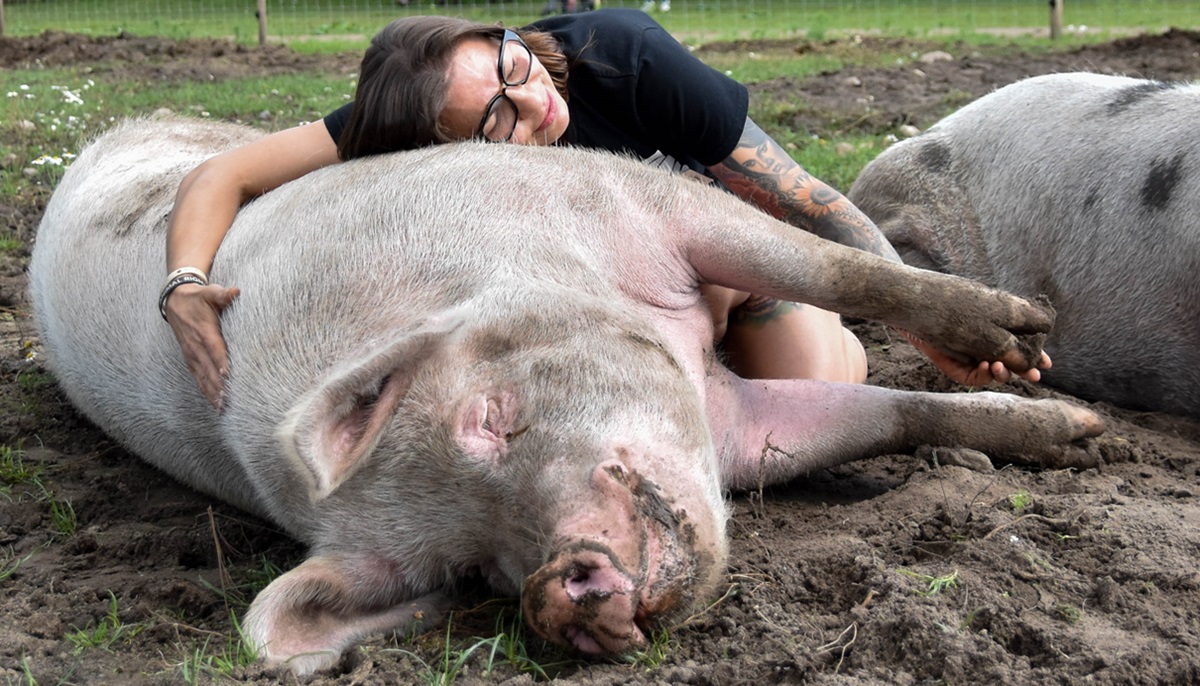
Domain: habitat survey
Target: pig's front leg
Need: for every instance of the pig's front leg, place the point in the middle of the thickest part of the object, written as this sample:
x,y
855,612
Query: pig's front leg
x,y
775,431
306,618
749,251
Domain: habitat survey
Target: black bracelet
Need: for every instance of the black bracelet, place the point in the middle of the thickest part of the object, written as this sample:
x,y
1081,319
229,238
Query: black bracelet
x,y
172,285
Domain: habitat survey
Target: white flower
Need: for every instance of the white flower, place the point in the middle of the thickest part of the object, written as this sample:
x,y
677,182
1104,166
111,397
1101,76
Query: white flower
x,y
71,97
24,87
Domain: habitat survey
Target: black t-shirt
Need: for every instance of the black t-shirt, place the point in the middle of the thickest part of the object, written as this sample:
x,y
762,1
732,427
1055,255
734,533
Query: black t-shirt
x,y
634,89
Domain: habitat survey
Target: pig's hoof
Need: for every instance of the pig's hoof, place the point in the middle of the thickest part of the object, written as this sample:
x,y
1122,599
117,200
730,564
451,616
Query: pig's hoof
x,y
1083,422
1067,430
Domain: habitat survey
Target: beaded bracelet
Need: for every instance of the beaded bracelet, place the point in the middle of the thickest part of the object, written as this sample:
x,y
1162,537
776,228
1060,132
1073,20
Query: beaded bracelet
x,y
174,283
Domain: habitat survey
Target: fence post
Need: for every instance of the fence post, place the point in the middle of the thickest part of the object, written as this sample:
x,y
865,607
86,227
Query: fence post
x,y
262,22
1056,16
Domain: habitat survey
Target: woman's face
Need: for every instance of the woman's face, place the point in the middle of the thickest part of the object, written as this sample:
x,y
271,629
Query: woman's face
x,y
474,80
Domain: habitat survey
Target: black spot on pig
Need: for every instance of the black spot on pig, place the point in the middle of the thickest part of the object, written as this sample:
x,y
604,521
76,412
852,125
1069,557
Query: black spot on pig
x,y
1164,176
935,157
1092,199
1128,97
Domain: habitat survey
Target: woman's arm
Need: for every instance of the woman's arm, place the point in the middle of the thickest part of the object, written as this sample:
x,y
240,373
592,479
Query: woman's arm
x,y
205,205
760,170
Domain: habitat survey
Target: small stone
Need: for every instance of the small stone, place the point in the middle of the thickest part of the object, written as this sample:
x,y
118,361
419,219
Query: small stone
x,y
936,56
907,130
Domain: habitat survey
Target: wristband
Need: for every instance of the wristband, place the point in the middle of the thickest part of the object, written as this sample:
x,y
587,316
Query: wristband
x,y
188,270
172,285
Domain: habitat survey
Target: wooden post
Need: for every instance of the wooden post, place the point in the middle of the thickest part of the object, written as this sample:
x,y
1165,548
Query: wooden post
x,y
1056,16
262,22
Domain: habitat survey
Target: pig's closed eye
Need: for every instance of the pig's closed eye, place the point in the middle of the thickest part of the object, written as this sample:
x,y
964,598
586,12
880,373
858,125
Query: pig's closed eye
x,y
508,436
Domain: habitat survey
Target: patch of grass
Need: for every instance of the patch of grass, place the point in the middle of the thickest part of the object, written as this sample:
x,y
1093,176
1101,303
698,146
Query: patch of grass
x,y
655,652
253,580
62,514
46,115
1068,613
507,646
106,632
216,661
1020,501
33,379
932,585
14,471
10,564
27,677
1038,562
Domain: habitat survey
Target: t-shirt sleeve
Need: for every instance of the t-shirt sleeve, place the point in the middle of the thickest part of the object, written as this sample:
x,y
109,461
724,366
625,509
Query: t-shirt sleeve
x,y
336,120
692,109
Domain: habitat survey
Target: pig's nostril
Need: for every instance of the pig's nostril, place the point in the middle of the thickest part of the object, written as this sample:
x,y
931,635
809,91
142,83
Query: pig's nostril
x,y
579,582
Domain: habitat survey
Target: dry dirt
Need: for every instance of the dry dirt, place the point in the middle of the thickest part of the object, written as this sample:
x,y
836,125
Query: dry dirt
x,y
1057,576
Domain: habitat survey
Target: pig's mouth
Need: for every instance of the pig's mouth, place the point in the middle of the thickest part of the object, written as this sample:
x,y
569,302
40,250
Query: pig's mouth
x,y
587,597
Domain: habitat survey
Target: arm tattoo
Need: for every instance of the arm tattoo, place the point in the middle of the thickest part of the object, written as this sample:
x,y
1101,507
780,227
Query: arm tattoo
x,y
760,171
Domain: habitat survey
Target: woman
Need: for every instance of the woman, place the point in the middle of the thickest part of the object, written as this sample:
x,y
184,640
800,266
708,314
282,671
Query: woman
x,y
612,80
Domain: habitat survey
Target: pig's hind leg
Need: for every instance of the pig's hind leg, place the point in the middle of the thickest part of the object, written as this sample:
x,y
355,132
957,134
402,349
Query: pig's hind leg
x,y
776,431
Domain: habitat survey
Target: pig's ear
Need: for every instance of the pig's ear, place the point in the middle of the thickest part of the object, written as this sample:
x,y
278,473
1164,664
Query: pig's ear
x,y
333,428
307,617
487,425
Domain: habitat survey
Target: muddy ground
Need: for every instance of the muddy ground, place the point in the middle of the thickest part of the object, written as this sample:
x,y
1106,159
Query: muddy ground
x,y
1056,577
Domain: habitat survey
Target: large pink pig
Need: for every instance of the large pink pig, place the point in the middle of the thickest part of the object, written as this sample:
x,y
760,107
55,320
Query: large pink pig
x,y
494,359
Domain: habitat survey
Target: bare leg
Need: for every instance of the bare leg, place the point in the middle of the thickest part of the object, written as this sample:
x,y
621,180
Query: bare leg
x,y
772,339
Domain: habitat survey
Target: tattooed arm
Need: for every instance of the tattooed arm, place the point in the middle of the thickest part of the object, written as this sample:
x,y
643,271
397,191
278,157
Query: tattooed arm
x,y
760,171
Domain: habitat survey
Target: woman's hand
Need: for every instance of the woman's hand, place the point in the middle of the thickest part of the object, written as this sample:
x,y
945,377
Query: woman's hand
x,y
194,311
970,373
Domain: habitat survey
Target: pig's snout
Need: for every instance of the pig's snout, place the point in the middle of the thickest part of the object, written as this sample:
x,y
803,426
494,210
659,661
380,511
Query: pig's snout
x,y
585,599
629,564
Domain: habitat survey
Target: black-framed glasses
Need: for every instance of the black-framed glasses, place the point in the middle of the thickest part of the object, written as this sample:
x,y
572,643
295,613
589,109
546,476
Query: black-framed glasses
x,y
514,65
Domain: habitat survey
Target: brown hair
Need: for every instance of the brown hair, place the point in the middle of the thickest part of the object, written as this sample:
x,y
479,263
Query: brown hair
x,y
402,82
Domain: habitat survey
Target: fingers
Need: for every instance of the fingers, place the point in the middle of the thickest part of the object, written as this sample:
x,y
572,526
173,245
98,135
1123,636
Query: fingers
x,y
981,373
194,315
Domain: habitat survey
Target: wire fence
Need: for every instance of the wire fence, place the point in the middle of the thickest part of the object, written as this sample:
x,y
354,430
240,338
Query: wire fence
x,y
354,19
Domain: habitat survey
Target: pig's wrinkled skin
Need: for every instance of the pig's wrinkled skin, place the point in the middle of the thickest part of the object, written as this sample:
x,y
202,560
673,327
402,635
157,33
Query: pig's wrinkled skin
x,y
492,359
1082,187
